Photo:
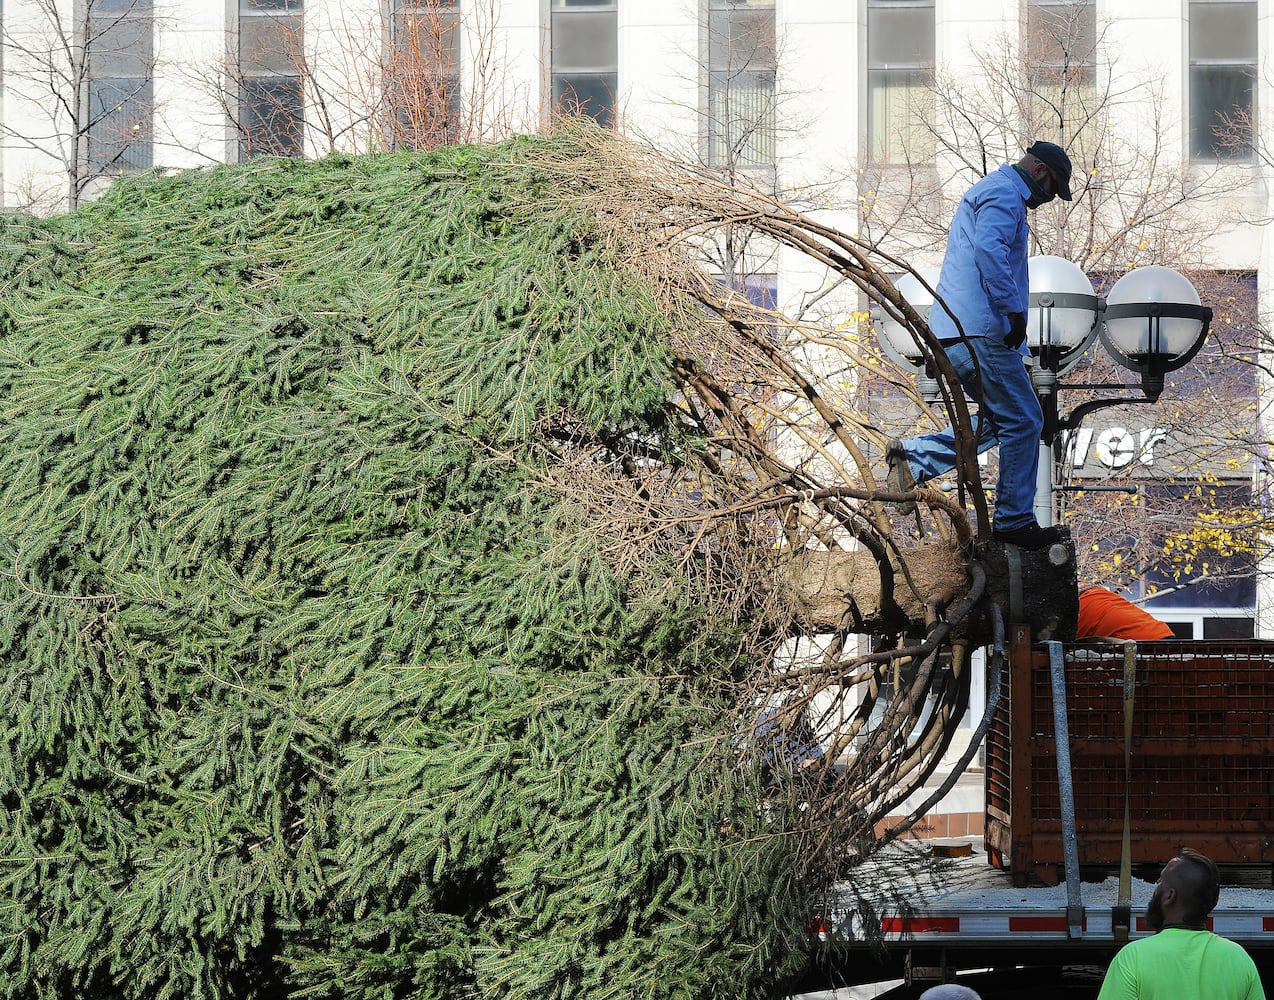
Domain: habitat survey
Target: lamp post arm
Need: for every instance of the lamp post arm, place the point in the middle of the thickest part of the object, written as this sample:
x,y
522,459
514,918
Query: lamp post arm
x,y
1131,489
1076,416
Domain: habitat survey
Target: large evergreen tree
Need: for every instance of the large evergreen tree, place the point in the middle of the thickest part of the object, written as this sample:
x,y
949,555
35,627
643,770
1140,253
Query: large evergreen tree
x,y
319,675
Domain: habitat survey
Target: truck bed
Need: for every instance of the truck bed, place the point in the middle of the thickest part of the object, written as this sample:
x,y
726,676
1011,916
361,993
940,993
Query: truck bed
x,y
967,902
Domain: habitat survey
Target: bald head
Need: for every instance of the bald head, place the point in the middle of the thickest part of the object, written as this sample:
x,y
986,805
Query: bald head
x,y
949,991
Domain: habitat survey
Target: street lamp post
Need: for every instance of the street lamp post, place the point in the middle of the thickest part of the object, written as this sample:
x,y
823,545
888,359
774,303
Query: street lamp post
x,y
1061,322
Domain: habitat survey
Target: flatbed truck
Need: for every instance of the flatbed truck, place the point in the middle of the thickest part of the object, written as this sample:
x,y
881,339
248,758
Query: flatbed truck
x,y
1104,759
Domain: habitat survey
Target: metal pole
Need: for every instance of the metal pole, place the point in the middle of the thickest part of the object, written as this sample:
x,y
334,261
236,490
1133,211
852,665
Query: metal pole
x,y
1044,486
1066,793
1044,381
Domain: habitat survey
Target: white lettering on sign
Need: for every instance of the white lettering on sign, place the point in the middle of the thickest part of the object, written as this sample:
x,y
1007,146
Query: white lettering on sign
x,y
1115,447
1150,437
1077,444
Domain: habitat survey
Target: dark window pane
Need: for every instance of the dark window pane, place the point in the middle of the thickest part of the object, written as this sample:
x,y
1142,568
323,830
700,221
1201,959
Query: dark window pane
x,y
133,8
741,112
589,94
1223,31
899,101
408,9
119,53
119,46
1226,365
422,80
584,41
271,116
119,133
1229,628
898,35
1211,594
900,54
1061,34
762,290
1218,93
424,113
584,3
585,58
270,46
1231,582
252,6
430,36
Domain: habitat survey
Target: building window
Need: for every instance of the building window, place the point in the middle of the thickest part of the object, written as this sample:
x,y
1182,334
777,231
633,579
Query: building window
x,y
1222,79
119,52
760,288
900,59
271,60
1061,66
584,55
741,71
422,80
1220,554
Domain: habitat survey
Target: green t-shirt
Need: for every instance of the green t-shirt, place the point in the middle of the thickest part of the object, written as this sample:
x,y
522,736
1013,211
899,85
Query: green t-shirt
x,y
1178,964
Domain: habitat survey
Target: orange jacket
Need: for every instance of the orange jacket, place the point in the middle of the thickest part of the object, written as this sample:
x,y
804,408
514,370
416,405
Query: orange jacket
x,y
1105,613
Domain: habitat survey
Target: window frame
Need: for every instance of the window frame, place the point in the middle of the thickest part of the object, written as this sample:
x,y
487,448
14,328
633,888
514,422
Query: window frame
x,y
1197,143
917,77
724,143
107,150
604,72
439,73
288,138
270,8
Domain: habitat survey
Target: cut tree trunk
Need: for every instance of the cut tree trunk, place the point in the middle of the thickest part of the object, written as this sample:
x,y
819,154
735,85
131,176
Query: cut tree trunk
x,y
831,591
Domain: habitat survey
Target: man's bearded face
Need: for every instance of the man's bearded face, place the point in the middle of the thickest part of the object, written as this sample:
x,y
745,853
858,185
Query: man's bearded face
x,y
1154,909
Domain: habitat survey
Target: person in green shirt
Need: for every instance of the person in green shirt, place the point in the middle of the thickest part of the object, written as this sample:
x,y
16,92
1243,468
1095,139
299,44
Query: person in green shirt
x,y
1183,960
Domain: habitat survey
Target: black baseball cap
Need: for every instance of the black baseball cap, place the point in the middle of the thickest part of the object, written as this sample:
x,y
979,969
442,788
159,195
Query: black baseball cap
x,y
1055,158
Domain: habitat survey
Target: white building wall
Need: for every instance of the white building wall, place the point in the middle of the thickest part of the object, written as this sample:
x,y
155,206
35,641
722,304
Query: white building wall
x,y
516,33
31,167
660,72
966,29
821,121
190,129
344,43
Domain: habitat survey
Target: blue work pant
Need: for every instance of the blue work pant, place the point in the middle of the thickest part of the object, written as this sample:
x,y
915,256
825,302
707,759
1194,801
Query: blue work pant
x,y
1011,418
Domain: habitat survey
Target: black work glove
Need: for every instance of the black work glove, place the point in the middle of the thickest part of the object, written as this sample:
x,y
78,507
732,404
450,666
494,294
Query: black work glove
x,y
1017,331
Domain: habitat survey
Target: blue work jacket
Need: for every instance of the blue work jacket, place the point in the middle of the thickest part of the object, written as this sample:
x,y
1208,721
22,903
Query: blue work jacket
x,y
984,275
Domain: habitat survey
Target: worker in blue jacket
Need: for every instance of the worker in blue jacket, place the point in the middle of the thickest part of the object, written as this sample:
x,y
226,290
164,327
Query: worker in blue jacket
x,y
984,285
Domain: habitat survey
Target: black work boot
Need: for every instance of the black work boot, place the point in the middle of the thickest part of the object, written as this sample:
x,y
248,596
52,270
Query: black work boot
x,y
1029,536
899,478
